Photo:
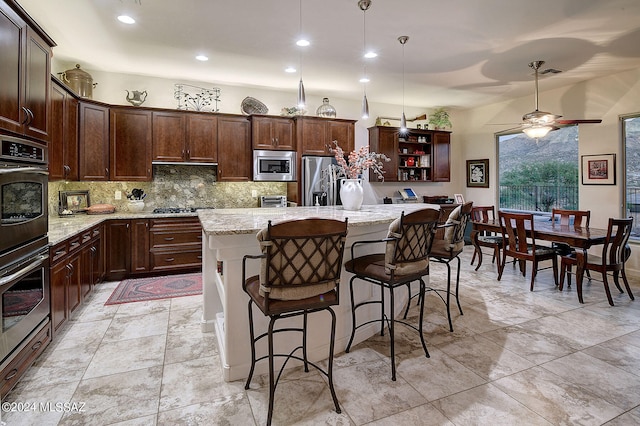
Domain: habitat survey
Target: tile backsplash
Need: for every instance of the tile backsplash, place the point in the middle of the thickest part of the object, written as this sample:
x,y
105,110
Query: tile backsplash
x,y
173,186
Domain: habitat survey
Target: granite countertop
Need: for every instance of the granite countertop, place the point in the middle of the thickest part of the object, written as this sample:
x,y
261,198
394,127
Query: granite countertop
x,y
61,228
248,221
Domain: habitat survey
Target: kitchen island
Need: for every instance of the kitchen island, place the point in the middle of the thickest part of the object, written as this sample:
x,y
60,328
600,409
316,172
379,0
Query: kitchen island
x,y
229,234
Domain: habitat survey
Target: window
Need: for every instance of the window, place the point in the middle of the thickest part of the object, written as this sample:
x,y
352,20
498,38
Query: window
x,y
538,175
631,140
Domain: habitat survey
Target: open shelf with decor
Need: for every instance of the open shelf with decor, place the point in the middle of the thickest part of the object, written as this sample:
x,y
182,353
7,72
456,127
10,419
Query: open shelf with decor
x,y
416,156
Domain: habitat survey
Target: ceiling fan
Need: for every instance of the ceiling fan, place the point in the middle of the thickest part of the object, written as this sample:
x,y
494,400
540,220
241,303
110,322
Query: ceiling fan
x,y
538,124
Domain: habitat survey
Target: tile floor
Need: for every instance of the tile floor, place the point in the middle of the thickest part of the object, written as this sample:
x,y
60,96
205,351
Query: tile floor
x,y
516,357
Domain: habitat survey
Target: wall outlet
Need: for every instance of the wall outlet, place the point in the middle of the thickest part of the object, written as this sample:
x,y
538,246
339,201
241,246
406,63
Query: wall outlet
x,y
254,193
118,195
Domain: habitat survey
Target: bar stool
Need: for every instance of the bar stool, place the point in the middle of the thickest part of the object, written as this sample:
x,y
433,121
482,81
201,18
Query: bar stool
x,y
301,263
447,249
405,260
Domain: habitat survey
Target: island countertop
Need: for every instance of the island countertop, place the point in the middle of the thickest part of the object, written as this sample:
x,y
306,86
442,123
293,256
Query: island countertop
x,y
250,221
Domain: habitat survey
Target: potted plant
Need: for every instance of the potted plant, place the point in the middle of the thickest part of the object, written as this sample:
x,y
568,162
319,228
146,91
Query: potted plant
x,y
439,119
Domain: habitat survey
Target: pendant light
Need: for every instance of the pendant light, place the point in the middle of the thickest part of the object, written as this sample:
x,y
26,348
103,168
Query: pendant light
x,y
302,42
403,121
364,6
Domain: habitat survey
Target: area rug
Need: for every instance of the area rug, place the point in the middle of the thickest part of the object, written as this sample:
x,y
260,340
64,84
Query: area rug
x,y
153,288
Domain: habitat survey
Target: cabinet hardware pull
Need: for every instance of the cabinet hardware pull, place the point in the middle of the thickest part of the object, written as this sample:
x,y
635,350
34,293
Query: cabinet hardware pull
x,y
59,252
31,117
107,172
26,116
169,259
11,374
36,345
199,257
169,238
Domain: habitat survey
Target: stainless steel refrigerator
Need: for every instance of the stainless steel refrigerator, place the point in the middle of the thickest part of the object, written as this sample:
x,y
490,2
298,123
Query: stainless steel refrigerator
x,y
319,183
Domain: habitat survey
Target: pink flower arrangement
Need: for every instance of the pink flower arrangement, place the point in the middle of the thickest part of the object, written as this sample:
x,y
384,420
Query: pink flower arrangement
x,y
358,161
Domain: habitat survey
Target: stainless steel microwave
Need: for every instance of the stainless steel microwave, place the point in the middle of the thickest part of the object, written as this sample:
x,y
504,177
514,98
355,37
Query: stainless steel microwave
x,y
278,166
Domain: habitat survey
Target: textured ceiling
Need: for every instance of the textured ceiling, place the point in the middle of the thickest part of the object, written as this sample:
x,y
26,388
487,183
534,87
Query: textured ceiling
x,y
461,53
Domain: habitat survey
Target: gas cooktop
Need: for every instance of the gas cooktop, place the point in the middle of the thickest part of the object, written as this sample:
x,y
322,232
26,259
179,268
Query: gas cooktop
x,y
164,210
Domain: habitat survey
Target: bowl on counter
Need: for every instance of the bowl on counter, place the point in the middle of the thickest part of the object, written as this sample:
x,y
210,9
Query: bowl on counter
x,y
136,206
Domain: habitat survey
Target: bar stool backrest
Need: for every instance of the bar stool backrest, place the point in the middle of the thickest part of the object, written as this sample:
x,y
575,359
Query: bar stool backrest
x,y
303,258
410,239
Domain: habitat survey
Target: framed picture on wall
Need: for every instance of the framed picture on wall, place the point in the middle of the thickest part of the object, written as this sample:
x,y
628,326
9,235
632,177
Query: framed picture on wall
x,y
76,201
599,169
478,173
459,198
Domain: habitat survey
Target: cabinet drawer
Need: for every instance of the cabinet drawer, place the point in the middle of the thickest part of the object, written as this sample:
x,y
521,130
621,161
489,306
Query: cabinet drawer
x,y
75,243
160,239
59,251
23,360
164,260
175,223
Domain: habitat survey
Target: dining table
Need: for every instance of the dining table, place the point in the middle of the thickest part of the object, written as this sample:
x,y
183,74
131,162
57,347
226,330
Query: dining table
x,y
580,238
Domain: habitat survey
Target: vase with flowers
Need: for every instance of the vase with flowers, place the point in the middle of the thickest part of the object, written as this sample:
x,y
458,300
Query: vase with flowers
x,y
350,169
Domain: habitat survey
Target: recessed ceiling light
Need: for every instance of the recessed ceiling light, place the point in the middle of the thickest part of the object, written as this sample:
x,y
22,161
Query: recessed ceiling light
x,y
290,70
202,58
364,80
126,19
370,55
303,42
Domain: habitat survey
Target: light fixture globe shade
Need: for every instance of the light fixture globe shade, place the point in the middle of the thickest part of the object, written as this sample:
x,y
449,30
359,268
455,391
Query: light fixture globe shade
x,y
365,107
537,132
301,96
403,123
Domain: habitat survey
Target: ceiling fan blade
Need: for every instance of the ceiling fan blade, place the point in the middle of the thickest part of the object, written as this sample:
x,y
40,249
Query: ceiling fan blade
x,y
594,121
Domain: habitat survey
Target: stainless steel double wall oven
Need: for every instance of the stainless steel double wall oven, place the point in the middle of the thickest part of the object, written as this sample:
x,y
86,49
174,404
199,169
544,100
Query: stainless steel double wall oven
x,y
24,253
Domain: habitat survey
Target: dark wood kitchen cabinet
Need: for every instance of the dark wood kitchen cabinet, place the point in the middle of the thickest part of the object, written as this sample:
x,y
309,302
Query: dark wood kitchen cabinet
x,y
139,246
315,135
93,141
441,157
185,137
25,67
175,244
118,249
272,133
234,148
130,144
63,143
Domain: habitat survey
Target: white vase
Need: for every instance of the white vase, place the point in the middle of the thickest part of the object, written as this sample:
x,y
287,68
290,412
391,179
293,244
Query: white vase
x,y
351,194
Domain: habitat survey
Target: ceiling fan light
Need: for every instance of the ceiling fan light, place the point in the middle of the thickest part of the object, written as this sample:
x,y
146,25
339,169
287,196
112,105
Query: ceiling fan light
x,y
537,132
370,55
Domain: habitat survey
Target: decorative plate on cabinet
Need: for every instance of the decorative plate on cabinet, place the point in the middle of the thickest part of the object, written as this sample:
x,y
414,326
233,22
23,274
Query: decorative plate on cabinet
x,y
253,106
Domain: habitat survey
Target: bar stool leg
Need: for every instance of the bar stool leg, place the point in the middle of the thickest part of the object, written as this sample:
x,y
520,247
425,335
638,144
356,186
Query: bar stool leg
x,y
330,366
253,347
391,332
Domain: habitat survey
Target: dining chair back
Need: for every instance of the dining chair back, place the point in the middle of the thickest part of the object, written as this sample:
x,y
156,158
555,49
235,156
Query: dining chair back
x,y
518,232
615,252
487,239
577,219
301,263
405,260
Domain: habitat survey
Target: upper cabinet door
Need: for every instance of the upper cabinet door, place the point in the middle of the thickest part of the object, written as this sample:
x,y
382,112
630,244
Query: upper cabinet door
x,y
272,133
202,138
93,141
234,149
441,157
25,69
169,138
130,145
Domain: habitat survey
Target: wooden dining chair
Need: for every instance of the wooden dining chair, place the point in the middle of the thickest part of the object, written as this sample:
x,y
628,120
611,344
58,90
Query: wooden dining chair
x,y
518,233
487,239
576,219
615,253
